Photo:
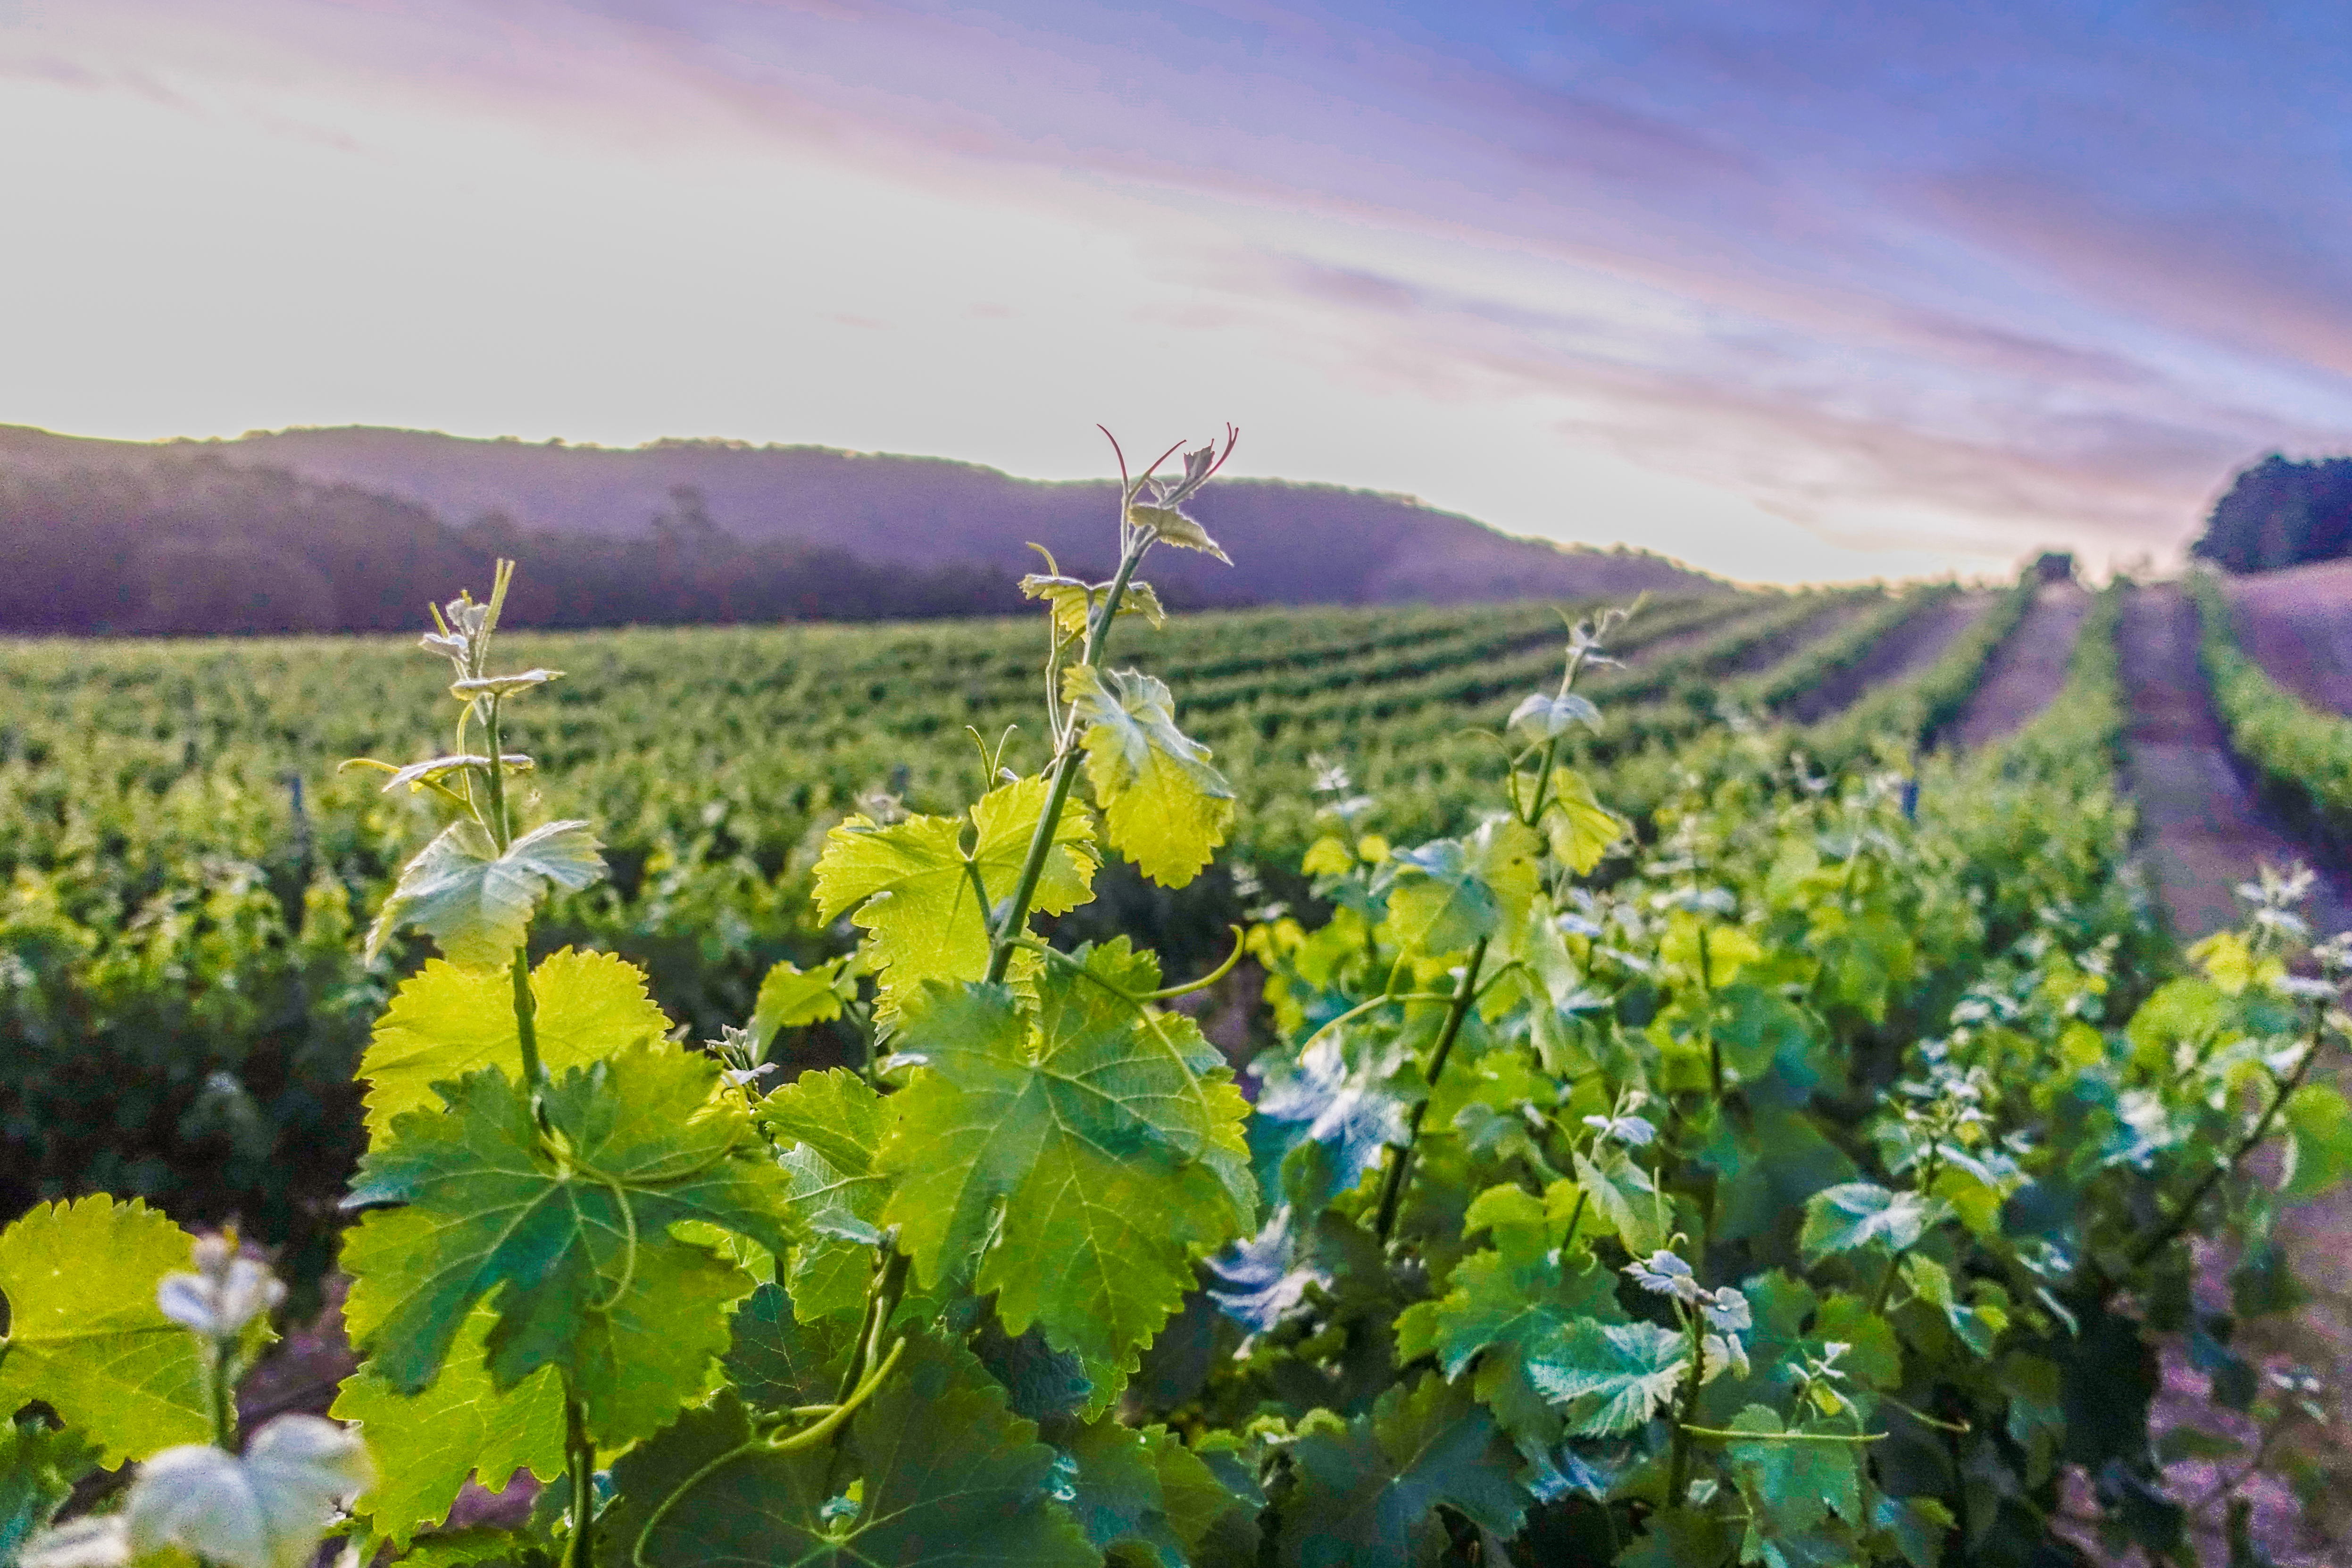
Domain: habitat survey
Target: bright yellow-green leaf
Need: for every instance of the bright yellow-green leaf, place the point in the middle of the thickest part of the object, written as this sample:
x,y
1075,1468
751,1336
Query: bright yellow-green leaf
x,y
1580,828
566,1233
1452,891
792,997
1708,950
1327,857
2319,1148
910,883
1164,807
1099,1148
477,902
85,1335
426,1444
1074,601
446,1022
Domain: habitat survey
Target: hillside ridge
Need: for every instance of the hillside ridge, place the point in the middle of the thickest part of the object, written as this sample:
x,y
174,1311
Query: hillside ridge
x,y
1304,542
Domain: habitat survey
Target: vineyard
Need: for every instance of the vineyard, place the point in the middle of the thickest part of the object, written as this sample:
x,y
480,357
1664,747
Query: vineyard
x,y
1752,1081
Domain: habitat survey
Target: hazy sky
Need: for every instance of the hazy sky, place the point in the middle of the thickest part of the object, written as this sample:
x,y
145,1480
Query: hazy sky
x,y
1790,290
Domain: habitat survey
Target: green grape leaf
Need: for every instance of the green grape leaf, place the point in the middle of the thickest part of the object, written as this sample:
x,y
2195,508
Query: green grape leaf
x,y
477,903
1917,1526
836,1124
945,1479
912,884
1213,1497
1164,807
792,997
1612,1376
426,1444
1681,1538
1626,1198
1116,1495
1857,1213
777,1361
1176,527
1093,1149
85,1335
2319,1142
38,1468
1580,828
446,1022
1368,1490
1452,891
1516,1301
1791,1488
567,1232
477,1544
829,1279
1073,600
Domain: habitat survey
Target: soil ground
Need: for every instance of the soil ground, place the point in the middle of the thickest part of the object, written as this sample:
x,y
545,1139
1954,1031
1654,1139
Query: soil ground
x,y
2297,624
2203,831
1906,651
2026,672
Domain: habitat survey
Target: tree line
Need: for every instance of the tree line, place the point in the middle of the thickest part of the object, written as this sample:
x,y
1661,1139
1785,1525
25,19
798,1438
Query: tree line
x,y
199,547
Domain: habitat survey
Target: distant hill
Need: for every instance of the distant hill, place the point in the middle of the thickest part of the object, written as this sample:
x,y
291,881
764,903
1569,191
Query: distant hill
x,y
1303,543
2280,513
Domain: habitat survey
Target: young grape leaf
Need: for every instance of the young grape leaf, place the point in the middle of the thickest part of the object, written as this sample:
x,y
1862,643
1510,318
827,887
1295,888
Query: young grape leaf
x,y
1164,806
84,1336
38,1468
1580,828
1368,1490
1857,1213
1791,1488
1548,716
568,1232
910,883
1623,1195
836,1125
1093,1149
1176,527
1916,1526
945,1479
426,1444
792,997
446,1022
477,903
1452,891
2319,1144
1612,1376
264,1507
1074,600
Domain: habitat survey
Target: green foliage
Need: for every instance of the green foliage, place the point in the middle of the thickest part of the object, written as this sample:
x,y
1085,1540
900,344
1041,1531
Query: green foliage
x,y
85,1335
2304,754
566,1227
1775,1173
1084,1152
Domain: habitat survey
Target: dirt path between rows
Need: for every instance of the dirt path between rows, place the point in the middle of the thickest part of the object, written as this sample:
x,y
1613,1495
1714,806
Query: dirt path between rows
x,y
2203,831
1902,653
2297,624
2025,672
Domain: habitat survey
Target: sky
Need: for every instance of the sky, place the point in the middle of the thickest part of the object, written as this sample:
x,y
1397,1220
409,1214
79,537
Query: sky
x,y
1790,290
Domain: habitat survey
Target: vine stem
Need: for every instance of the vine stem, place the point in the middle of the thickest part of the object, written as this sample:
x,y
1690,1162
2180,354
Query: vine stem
x,y
580,1552
2166,1233
1392,1189
1678,1467
1049,822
